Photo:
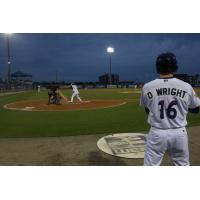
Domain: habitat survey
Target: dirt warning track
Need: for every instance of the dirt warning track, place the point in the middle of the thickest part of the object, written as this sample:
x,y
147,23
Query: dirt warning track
x,y
42,105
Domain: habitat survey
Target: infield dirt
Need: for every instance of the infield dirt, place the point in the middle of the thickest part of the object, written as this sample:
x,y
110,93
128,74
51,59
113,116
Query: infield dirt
x,y
42,105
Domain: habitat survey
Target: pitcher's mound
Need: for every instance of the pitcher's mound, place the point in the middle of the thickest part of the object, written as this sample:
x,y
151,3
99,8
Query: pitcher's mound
x,y
42,105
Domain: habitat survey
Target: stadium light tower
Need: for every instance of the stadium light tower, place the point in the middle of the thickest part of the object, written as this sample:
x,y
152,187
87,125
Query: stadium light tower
x,y
9,60
110,50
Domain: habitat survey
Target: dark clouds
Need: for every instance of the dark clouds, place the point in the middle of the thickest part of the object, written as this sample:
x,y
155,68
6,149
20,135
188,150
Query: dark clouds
x,y
83,57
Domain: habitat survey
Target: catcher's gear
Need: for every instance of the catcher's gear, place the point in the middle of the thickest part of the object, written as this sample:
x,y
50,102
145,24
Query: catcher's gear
x,y
54,96
166,63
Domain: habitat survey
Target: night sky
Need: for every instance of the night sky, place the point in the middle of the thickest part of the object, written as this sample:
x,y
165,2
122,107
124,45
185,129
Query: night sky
x,y
83,57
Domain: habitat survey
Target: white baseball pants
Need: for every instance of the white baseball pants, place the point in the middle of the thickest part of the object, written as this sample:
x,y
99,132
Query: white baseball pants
x,y
75,95
173,141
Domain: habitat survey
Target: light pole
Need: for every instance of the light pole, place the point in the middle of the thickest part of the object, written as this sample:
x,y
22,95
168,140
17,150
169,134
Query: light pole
x,y
9,61
56,76
110,50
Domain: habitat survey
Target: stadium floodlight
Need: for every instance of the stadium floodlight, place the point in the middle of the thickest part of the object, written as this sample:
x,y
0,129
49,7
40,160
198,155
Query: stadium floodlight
x,y
110,50
9,60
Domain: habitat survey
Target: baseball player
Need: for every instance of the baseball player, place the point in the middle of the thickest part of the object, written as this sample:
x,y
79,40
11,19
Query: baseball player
x,y
167,101
38,87
75,93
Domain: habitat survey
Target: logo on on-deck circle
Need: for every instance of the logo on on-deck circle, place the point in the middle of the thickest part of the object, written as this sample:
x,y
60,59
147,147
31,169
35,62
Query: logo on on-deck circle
x,y
127,145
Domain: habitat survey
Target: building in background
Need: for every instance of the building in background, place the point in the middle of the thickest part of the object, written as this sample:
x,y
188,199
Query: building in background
x,y
17,81
183,77
21,76
104,79
191,79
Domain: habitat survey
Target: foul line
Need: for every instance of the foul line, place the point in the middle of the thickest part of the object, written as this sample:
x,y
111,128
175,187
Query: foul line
x,y
10,93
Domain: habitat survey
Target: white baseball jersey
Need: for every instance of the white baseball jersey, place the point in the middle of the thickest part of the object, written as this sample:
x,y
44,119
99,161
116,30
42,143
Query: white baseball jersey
x,y
168,101
75,89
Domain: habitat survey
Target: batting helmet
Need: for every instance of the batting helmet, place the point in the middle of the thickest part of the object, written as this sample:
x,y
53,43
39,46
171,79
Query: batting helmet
x,y
166,63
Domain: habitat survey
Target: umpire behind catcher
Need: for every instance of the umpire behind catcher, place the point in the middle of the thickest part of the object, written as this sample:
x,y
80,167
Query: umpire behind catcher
x,y
167,101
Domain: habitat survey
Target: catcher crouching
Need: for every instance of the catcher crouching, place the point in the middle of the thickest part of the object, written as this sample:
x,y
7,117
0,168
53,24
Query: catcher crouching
x,y
55,96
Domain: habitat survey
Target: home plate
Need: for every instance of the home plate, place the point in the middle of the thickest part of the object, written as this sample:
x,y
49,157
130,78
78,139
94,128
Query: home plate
x,y
86,101
28,108
126,145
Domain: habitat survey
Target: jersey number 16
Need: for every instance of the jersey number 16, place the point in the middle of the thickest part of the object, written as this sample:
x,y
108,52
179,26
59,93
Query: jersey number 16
x,y
170,111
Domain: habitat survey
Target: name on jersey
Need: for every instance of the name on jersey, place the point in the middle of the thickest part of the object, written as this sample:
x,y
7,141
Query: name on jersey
x,y
168,91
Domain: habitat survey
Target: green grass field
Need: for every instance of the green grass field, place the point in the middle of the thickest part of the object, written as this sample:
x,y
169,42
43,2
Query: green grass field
x,y
127,118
